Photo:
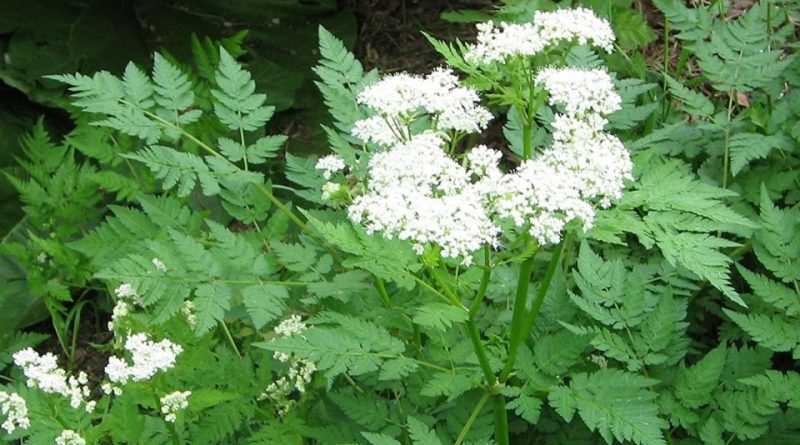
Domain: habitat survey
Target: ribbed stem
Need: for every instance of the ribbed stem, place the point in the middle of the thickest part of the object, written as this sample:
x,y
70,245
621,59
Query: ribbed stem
x,y
500,420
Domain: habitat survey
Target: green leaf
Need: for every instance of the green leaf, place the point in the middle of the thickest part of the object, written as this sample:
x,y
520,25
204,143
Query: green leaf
x,y
265,148
699,253
614,403
420,434
341,75
368,412
696,385
745,147
772,332
379,439
779,296
172,86
693,102
339,343
237,105
777,245
211,302
439,316
447,384
264,303
177,169
526,406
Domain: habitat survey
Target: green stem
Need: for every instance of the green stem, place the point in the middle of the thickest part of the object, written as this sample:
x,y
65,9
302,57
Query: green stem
x,y
480,352
229,337
726,155
382,291
487,273
472,417
527,148
544,287
518,316
526,324
449,292
500,420
433,290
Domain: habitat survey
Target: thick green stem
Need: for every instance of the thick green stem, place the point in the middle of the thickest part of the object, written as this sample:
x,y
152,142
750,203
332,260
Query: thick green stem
x,y
500,420
544,287
527,146
520,306
527,320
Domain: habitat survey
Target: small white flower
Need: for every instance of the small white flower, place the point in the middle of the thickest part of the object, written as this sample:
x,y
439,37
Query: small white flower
x,y
400,98
291,326
121,310
581,91
187,309
329,189
148,358
159,265
42,372
330,165
125,290
109,389
173,403
378,130
416,192
69,437
548,28
15,410
300,371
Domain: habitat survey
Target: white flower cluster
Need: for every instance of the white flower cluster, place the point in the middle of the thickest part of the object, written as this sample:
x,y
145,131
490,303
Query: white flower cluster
x,y
584,165
582,92
15,410
330,165
299,374
148,358
126,299
188,312
417,192
42,372
399,97
173,403
548,28
69,437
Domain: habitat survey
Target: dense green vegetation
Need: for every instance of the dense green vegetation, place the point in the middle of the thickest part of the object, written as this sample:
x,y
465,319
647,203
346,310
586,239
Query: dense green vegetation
x,y
158,196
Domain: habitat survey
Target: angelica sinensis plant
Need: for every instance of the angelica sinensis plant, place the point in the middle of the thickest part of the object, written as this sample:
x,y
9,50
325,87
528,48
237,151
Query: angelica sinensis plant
x,y
509,248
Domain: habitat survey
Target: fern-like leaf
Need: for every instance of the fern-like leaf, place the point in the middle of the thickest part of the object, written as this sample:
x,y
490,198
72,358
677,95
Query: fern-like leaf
x,y
614,403
237,105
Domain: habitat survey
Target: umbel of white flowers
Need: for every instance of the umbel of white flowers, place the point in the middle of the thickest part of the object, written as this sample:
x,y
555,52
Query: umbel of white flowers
x,y
415,191
298,375
15,410
147,357
548,28
43,372
173,403
70,437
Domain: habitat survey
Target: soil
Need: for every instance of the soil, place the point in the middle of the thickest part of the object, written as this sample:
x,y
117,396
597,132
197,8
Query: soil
x,y
390,31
